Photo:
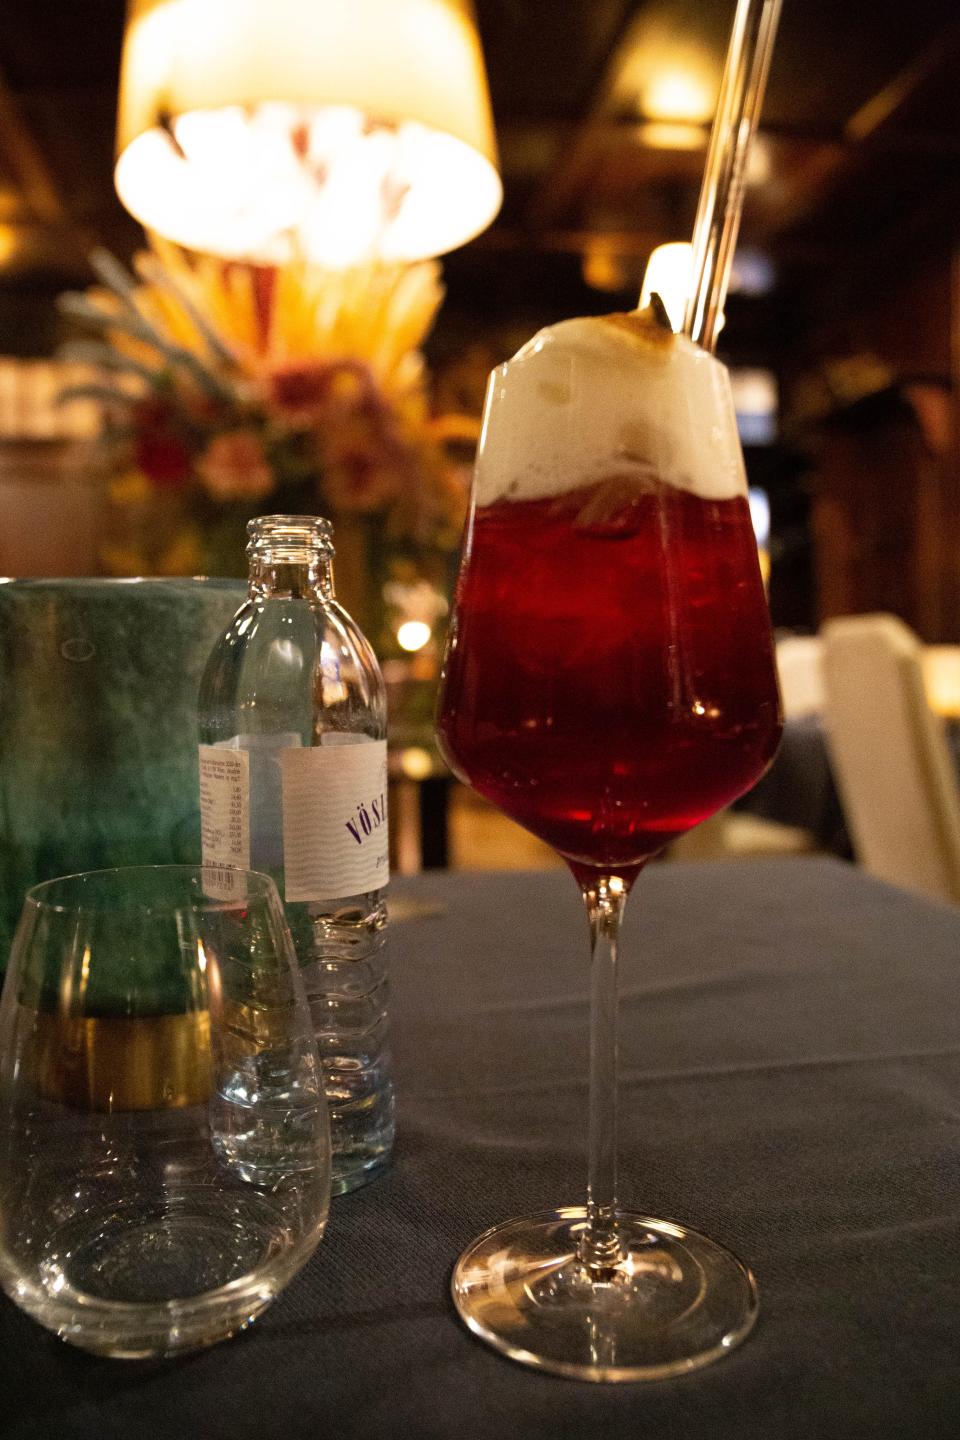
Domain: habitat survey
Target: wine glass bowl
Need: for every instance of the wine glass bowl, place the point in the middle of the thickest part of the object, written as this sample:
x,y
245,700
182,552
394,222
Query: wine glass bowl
x,y
609,682
164,1139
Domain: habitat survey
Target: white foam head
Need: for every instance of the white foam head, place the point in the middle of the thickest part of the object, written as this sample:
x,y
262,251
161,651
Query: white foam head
x,y
589,399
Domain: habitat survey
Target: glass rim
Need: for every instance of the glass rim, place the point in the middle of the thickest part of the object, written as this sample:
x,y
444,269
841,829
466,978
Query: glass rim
x,y
293,534
256,884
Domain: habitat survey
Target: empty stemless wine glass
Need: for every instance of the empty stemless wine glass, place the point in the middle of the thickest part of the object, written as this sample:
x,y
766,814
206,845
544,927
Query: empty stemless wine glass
x,y
164,1138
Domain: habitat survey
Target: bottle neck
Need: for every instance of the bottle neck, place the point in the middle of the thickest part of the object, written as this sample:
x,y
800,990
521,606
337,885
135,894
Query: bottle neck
x,y
284,576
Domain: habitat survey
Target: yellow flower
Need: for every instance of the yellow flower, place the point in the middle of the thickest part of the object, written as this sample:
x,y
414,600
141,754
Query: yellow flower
x,y
130,488
377,313
184,555
120,559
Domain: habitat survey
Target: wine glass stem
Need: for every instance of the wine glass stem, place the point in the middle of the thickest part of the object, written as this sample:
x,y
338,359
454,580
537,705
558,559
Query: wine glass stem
x,y
604,901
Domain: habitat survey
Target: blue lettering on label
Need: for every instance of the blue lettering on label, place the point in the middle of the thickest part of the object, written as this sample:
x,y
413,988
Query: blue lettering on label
x,y
368,818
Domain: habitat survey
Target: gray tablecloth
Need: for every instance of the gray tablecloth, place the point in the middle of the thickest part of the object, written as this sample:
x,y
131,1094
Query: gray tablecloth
x,y
791,1083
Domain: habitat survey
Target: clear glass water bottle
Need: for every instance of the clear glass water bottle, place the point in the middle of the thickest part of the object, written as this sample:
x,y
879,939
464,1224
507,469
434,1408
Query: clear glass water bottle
x,y
293,781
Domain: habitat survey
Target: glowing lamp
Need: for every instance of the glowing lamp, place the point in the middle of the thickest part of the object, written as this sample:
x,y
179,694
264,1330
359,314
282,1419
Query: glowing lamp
x,y
669,274
412,635
679,94
266,129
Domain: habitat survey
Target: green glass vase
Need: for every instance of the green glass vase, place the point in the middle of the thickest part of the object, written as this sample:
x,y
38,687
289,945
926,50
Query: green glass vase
x,y
98,738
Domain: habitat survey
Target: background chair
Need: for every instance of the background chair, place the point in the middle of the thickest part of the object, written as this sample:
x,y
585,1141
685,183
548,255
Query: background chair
x,y
745,833
890,755
800,672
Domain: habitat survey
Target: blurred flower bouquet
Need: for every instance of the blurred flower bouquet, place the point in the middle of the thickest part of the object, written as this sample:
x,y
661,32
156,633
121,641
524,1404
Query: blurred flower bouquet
x,y
230,390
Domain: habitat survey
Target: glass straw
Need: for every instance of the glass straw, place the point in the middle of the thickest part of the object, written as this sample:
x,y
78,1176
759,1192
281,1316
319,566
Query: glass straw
x,y
721,195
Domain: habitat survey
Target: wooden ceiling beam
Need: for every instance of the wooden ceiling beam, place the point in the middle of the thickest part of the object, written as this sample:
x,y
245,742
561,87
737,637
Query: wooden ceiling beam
x,y
561,182
566,241
630,243
881,110
871,130
27,161
42,194
877,128
610,130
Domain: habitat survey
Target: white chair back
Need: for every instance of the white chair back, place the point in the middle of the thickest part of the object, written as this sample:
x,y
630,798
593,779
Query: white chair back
x,y
800,671
890,756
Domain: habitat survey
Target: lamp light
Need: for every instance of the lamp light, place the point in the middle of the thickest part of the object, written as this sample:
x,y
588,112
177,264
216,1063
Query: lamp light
x,y
675,93
268,129
669,274
412,635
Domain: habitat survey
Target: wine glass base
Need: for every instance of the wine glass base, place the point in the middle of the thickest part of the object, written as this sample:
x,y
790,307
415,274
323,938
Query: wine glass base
x,y
674,1302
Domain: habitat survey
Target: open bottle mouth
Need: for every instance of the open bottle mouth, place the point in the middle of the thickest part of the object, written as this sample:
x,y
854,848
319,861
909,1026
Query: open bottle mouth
x,y
289,539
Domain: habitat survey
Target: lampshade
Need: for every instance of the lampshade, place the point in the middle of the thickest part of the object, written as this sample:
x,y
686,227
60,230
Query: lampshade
x,y
340,130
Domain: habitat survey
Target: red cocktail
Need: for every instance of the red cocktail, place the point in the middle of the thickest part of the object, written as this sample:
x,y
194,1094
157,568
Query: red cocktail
x,y
609,680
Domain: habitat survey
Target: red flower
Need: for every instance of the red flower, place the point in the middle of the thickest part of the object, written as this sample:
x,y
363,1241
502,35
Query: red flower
x,y
299,390
234,467
303,391
160,454
163,458
152,413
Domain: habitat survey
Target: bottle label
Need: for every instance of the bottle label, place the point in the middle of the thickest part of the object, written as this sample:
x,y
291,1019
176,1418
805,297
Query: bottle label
x,y
335,818
224,819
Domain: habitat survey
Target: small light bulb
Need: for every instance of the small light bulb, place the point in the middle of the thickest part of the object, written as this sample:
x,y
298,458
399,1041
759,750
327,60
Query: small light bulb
x,y
415,762
413,634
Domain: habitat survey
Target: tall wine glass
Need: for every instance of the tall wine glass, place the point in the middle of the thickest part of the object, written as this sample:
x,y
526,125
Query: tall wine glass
x,y
609,682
